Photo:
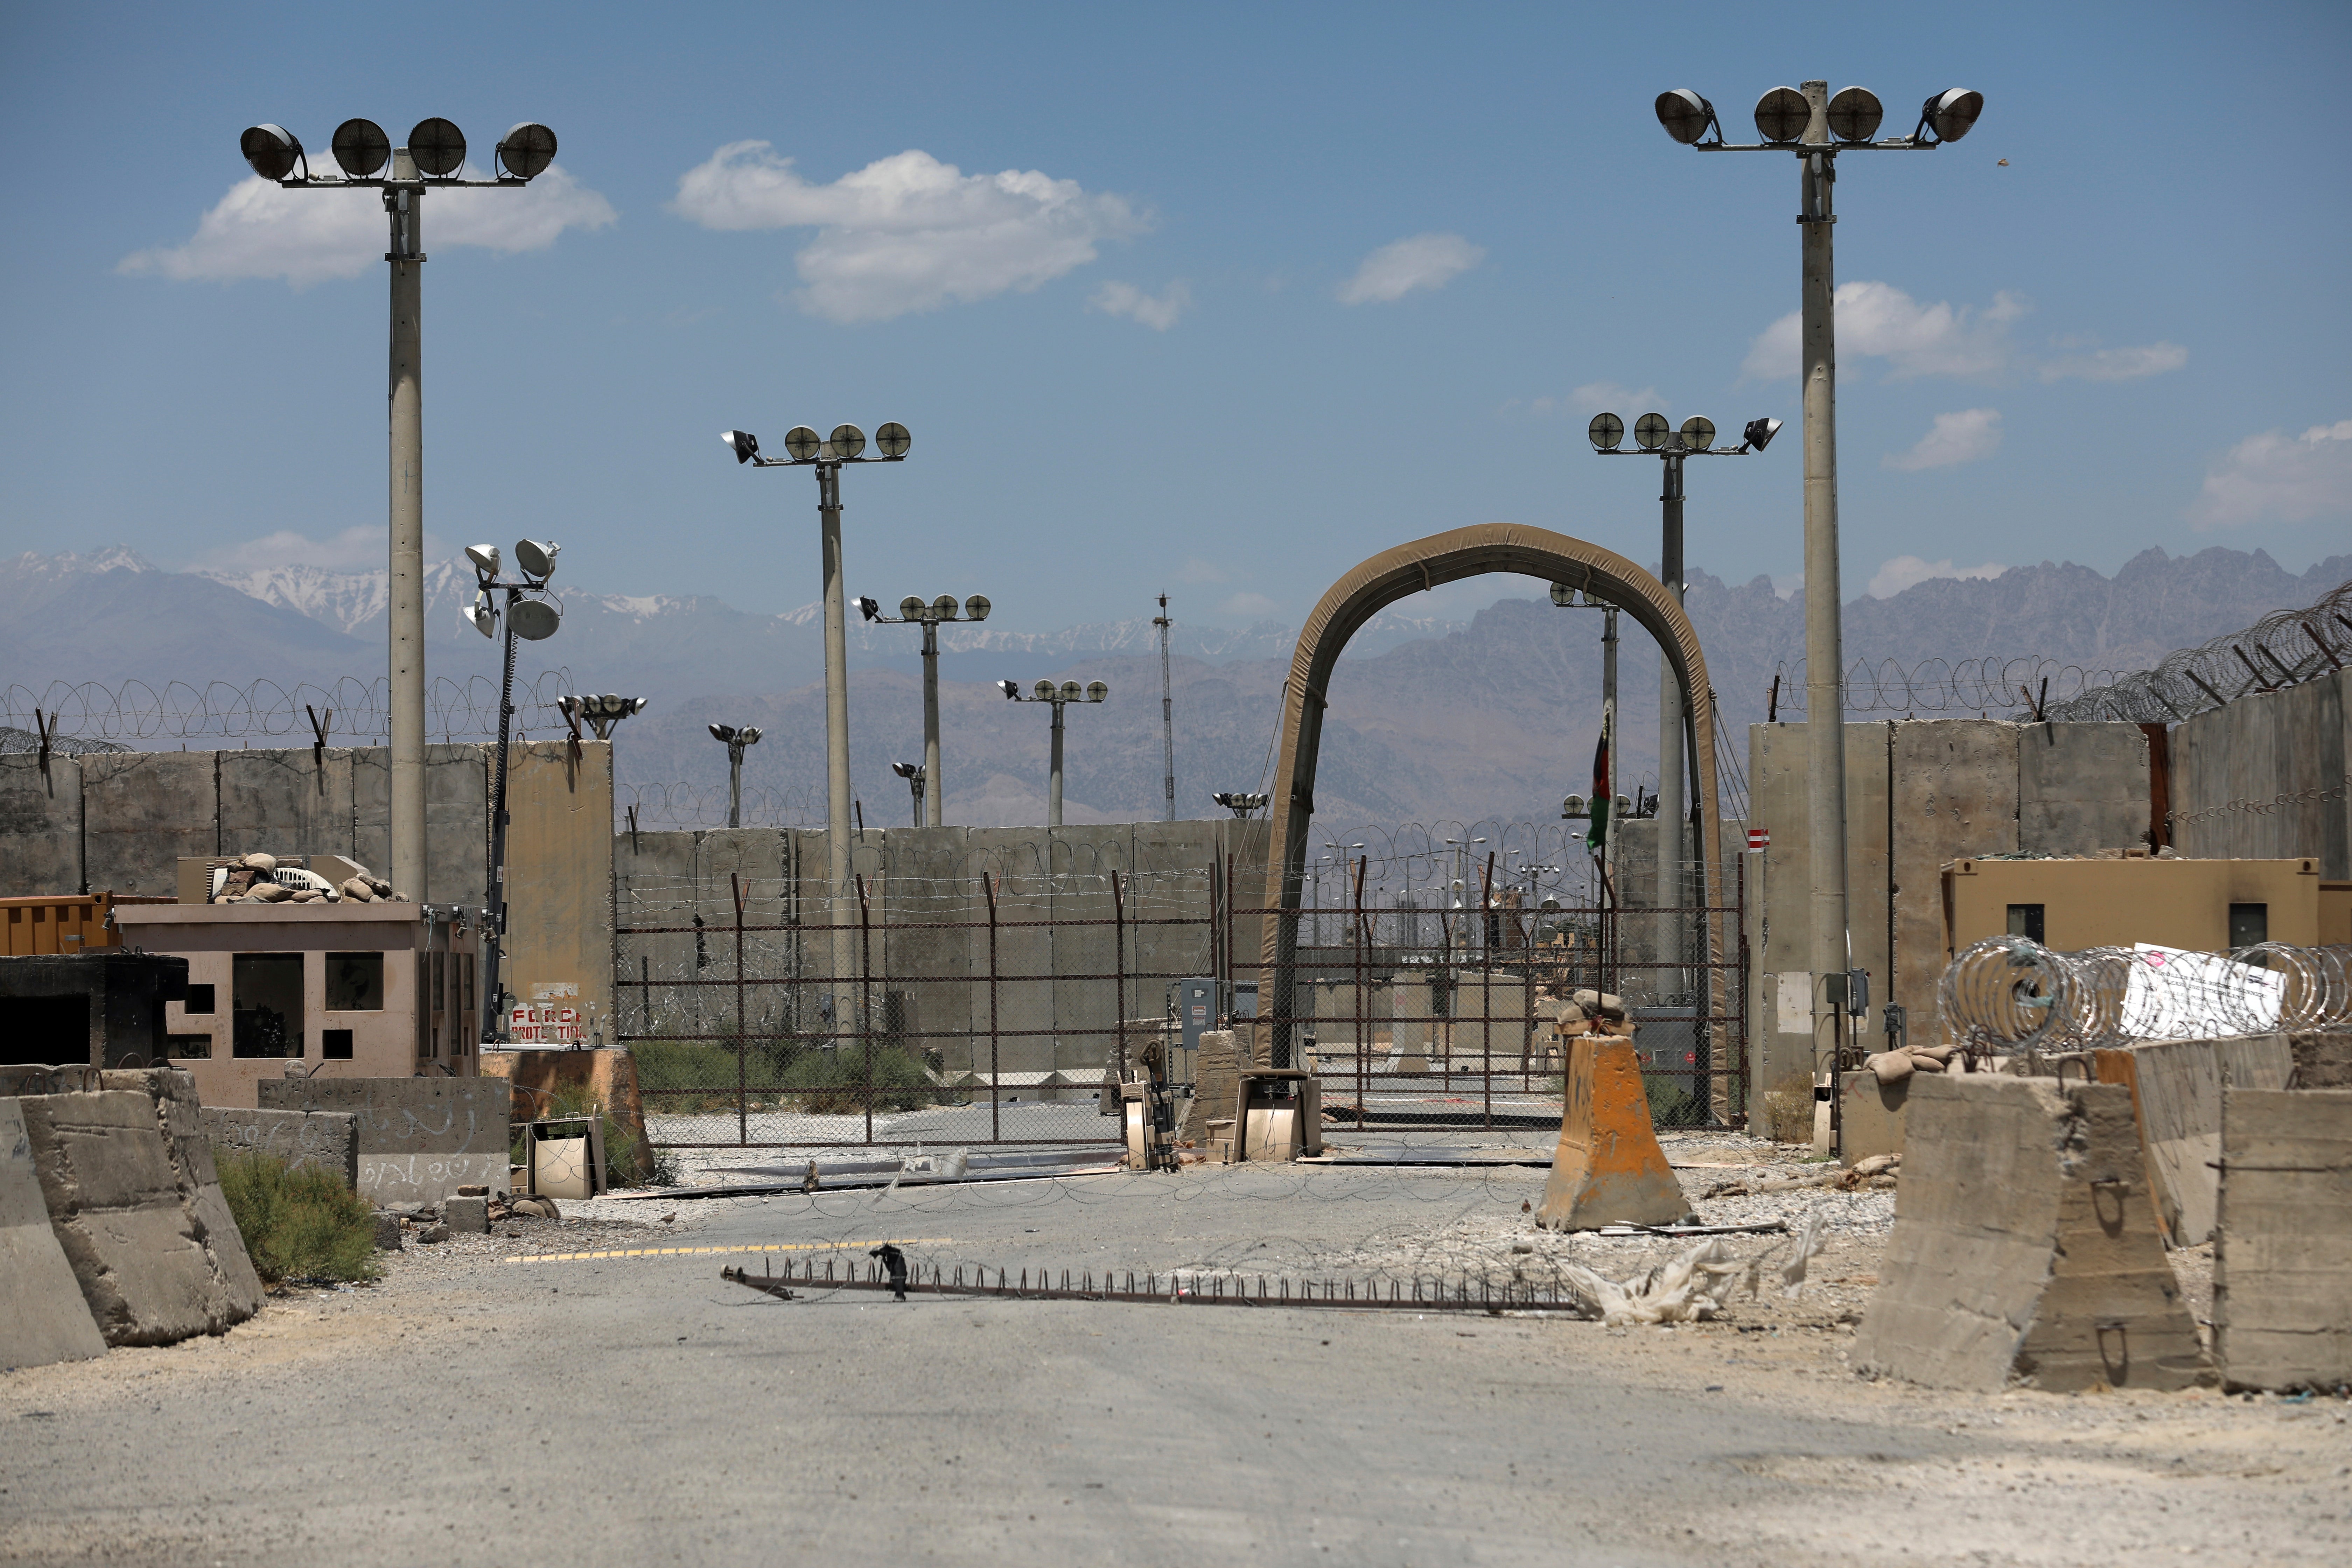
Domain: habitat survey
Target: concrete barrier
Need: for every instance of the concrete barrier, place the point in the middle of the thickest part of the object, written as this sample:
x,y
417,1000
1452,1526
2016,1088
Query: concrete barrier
x,y
420,1139
1217,1075
2323,1059
2025,1246
137,1208
2282,1260
609,1077
43,1317
2176,1089
324,1139
1608,1169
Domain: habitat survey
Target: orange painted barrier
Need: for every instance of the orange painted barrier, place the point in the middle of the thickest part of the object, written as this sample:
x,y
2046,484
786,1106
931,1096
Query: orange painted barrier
x,y
67,923
1609,1169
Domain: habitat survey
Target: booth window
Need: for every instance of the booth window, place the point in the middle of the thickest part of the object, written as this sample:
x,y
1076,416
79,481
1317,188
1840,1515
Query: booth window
x,y
335,1045
189,1048
2025,920
199,1000
266,1004
2249,925
354,983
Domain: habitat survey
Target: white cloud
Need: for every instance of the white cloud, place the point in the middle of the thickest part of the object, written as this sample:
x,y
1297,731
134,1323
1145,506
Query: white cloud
x,y
1599,397
1247,604
262,230
1954,438
907,232
1196,570
1158,312
2274,475
360,548
2115,364
1881,320
1422,261
1906,571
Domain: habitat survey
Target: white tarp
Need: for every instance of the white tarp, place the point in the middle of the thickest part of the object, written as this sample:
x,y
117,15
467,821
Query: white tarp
x,y
2173,994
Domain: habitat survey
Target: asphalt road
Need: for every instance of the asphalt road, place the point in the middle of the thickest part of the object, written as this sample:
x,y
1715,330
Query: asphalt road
x,y
633,1410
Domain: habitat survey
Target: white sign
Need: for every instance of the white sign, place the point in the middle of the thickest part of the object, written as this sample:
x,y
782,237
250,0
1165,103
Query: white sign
x,y
1796,1004
544,1024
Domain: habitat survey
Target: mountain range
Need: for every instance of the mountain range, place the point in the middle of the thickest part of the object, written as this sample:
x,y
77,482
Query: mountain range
x,y
1429,718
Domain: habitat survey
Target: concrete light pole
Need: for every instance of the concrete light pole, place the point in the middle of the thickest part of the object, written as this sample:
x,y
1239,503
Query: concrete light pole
x,y
436,153
912,611
1060,696
736,741
1815,128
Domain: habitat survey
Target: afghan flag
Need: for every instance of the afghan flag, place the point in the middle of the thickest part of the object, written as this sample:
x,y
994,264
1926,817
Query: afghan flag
x,y
1598,834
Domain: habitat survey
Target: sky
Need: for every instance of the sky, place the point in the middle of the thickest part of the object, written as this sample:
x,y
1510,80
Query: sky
x,y
1215,299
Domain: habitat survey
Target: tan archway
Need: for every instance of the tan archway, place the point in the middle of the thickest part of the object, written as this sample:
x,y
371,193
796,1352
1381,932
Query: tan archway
x,y
1416,568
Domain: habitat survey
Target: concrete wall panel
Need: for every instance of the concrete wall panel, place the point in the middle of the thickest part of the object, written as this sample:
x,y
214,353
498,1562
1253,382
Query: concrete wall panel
x,y
40,826
140,812
2081,787
1955,793
559,909
457,816
288,802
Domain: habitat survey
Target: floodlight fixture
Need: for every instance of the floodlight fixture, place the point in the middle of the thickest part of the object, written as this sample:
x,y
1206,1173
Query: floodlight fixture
x,y
1759,433
361,148
945,607
1686,116
485,559
745,445
1043,691
525,152
272,149
749,734
436,147
1650,431
1782,115
1096,690
1010,688
1071,690
1564,595
1240,803
803,443
892,440
1951,114
1854,114
723,733
906,770
533,620
480,616
911,607
870,608
846,442
537,560
1607,432
976,608
1698,433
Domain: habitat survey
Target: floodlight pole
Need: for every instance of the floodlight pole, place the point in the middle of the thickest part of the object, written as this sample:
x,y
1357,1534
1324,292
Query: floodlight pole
x,y
934,806
494,896
403,199
1053,783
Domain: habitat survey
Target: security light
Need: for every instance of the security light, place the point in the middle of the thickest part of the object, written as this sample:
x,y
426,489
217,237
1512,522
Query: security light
x,y
527,149
1239,803
485,559
1686,116
746,445
1042,692
847,441
438,148
1782,115
723,732
1854,114
905,769
1574,805
481,616
892,440
1071,690
945,607
1010,689
1759,433
1563,595
1096,690
533,620
1607,432
1650,431
749,734
272,149
1951,113
803,443
911,607
870,608
361,147
976,608
537,560
1698,433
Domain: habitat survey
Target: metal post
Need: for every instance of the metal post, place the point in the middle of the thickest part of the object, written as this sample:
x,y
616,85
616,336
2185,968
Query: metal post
x,y
1167,711
1118,980
494,894
836,737
1054,784
742,1037
734,784
995,1093
1671,828
933,788
1616,825
866,988
1824,650
1363,1012
402,203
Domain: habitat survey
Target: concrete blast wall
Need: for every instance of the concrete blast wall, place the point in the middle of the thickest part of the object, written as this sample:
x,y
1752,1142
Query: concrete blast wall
x,y
2265,778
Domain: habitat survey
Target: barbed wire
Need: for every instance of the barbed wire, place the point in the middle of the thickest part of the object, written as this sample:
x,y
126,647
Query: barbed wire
x,y
352,706
2008,994
2312,796
1989,686
2283,649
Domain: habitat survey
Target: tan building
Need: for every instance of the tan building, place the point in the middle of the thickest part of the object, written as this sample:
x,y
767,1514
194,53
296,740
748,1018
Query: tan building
x,y
2202,906
344,990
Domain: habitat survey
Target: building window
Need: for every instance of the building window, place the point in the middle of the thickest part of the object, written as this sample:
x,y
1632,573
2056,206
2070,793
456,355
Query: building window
x,y
189,1048
335,1045
266,1004
199,1000
2249,925
354,983
2025,920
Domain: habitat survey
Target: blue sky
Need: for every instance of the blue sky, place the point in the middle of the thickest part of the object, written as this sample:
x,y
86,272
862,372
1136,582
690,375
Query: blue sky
x,y
1259,291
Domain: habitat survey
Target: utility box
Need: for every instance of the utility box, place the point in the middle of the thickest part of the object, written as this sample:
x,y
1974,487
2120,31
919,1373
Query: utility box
x,y
1200,1004
1277,1114
564,1158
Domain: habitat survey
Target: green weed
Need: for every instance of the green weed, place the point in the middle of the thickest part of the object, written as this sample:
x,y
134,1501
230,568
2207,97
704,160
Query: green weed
x,y
298,1224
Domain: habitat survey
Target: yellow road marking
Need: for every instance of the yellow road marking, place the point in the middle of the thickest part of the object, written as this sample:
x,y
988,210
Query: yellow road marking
x,y
696,1251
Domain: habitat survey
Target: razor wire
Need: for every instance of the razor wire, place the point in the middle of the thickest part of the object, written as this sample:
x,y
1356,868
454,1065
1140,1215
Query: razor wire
x,y
352,706
1990,686
2008,994
2285,647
